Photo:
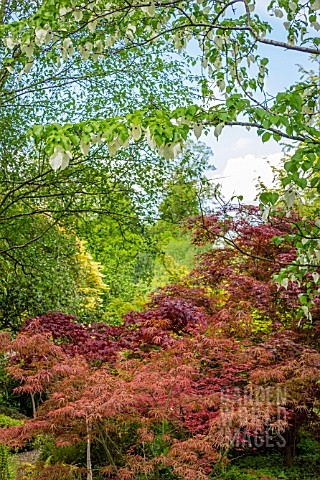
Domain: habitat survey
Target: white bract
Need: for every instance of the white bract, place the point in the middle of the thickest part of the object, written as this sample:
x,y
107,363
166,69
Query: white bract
x,y
289,198
27,67
84,147
41,35
315,5
197,129
85,51
150,140
92,25
60,158
28,49
136,132
78,15
218,129
10,42
170,151
113,147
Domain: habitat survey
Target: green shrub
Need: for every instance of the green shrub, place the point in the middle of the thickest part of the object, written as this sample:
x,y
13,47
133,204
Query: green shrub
x,y
6,421
44,471
271,466
7,467
68,454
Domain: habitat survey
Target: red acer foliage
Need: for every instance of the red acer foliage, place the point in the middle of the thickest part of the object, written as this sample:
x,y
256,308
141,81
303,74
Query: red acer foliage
x,y
243,263
100,342
218,361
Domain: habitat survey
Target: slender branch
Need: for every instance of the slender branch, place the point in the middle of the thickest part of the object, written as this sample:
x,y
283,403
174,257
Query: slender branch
x,y
32,240
89,465
34,410
234,245
299,138
286,46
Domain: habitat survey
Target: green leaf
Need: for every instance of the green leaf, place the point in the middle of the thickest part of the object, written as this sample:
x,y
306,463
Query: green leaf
x,y
314,182
269,198
296,100
302,183
38,130
266,136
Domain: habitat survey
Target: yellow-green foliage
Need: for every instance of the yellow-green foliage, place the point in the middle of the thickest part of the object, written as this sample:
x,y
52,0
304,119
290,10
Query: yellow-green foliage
x,y
117,307
46,471
7,467
6,470
168,270
6,421
91,284
176,260
260,323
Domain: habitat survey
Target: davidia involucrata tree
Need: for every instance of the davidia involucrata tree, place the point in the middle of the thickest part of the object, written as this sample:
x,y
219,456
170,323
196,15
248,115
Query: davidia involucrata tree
x,y
227,35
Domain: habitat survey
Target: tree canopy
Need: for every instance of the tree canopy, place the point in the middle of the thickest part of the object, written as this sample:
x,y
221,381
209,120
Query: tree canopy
x,y
61,37
141,77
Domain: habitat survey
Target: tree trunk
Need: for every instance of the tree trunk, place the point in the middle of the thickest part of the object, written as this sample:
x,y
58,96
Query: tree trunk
x,y
34,411
89,466
290,447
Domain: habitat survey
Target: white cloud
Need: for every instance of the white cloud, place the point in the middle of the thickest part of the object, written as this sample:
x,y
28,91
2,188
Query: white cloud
x,y
237,141
240,175
242,142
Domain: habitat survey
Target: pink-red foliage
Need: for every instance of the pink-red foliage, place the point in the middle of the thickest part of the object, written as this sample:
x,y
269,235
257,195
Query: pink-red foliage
x,y
201,367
